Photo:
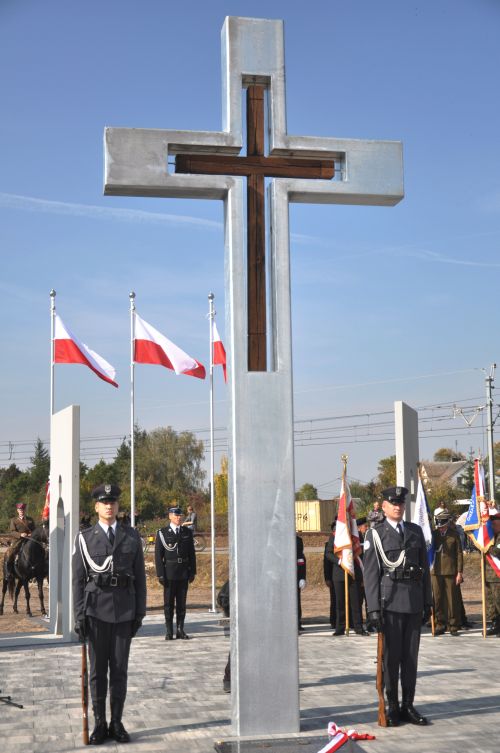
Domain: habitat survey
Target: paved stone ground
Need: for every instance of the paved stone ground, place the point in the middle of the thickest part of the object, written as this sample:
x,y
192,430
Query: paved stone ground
x,y
175,701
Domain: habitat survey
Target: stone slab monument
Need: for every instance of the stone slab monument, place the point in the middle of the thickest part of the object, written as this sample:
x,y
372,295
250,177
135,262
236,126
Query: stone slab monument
x,y
64,516
407,457
224,165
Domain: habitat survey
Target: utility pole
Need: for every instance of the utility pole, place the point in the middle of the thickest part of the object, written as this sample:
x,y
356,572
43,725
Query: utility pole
x,y
489,412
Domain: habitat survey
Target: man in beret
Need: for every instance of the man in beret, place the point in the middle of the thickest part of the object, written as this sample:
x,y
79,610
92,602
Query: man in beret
x,y
398,597
492,577
175,561
22,525
109,597
447,574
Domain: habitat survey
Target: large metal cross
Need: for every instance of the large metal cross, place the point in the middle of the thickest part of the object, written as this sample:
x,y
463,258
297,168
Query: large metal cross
x,y
264,647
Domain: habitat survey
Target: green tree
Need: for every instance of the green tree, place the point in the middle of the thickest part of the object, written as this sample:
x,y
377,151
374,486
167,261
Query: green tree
x,y
221,488
386,472
446,454
40,467
171,461
306,492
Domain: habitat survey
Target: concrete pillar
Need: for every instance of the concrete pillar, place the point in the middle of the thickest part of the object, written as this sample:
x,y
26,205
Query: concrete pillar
x,y
407,455
64,516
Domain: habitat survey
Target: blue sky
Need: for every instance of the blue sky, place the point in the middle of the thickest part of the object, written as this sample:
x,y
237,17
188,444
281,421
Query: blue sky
x,y
388,303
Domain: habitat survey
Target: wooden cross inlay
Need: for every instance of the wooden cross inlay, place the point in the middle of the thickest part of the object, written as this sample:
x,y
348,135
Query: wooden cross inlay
x,y
255,167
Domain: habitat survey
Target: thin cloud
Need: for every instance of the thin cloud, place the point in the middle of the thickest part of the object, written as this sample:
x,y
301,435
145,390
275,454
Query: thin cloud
x,y
47,206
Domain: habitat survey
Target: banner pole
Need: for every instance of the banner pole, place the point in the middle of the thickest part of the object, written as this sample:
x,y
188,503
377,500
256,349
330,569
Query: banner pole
x,y
211,314
132,409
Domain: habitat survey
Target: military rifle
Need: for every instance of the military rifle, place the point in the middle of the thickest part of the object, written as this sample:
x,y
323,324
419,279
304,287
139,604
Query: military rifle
x,y
382,721
85,694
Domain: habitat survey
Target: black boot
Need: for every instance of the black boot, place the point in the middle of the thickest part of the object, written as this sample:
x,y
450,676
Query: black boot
x,y
100,732
180,630
116,729
392,715
169,635
409,713
494,627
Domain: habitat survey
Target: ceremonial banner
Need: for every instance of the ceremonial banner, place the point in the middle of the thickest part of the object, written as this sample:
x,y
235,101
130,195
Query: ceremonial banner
x,y
422,517
477,523
346,541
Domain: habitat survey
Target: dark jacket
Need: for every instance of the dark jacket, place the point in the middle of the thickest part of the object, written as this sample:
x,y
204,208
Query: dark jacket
x,y
393,592
120,603
301,560
176,560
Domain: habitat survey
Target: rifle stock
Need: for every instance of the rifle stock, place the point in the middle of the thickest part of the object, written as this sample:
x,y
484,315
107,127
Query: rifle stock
x,y
85,695
382,721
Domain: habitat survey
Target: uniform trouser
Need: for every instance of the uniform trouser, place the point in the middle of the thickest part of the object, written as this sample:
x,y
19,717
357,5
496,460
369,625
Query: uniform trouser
x,y
109,648
447,605
493,600
299,606
354,604
401,644
333,610
175,594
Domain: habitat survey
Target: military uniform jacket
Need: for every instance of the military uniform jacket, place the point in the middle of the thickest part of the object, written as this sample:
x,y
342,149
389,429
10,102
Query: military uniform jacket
x,y
449,558
489,573
22,526
120,603
176,561
390,592
331,564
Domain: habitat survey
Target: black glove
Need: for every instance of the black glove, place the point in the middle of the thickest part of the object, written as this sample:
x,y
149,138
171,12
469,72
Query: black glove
x,y
162,580
81,630
191,578
329,583
136,625
426,614
375,619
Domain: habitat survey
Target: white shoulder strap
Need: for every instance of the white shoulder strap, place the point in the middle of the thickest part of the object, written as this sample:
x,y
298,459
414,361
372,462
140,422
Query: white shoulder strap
x,y
168,547
106,566
382,555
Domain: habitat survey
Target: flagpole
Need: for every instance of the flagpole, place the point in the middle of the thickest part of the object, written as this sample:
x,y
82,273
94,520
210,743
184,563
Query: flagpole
x,y
52,334
211,314
346,574
483,594
132,410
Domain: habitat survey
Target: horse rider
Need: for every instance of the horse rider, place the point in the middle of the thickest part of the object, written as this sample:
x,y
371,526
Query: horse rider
x,y
109,595
22,525
398,597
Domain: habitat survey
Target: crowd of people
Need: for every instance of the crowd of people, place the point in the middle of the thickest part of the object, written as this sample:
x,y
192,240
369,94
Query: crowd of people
x,y
393,591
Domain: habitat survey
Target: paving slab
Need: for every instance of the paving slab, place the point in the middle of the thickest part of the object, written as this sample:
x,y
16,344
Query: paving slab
x,y
176,703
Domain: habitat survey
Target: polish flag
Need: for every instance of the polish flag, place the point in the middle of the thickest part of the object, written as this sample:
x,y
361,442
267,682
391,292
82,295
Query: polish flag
x,y
46,507
150,346
69,349
219,353
346,542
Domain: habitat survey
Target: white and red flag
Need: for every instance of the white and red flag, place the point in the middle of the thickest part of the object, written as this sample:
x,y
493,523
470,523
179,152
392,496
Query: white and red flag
x,y
219,352
69,349
150,346
346,541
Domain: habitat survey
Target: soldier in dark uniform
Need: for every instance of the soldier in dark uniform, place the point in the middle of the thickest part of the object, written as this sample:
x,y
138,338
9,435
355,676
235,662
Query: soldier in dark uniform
x,y
492,580
109,595
175,560
447,574
328,575
301,576
338,580
22,525
398,596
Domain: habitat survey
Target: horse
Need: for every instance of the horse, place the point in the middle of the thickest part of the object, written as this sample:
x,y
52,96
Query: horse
x,y
31,564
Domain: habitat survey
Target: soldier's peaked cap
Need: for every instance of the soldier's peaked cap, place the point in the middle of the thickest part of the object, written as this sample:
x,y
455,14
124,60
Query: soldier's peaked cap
x,y
395,494
106,493
20,505
175,510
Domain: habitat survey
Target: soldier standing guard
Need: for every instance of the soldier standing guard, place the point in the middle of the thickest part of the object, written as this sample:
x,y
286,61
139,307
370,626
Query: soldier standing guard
x,y
109,595
398,597
175,560
447,574
22,525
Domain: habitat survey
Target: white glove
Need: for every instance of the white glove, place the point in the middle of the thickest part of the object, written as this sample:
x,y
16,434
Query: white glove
x,y
302,583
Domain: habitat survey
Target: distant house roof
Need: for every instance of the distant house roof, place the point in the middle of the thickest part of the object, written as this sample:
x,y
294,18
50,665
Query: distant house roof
x,y
435,474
